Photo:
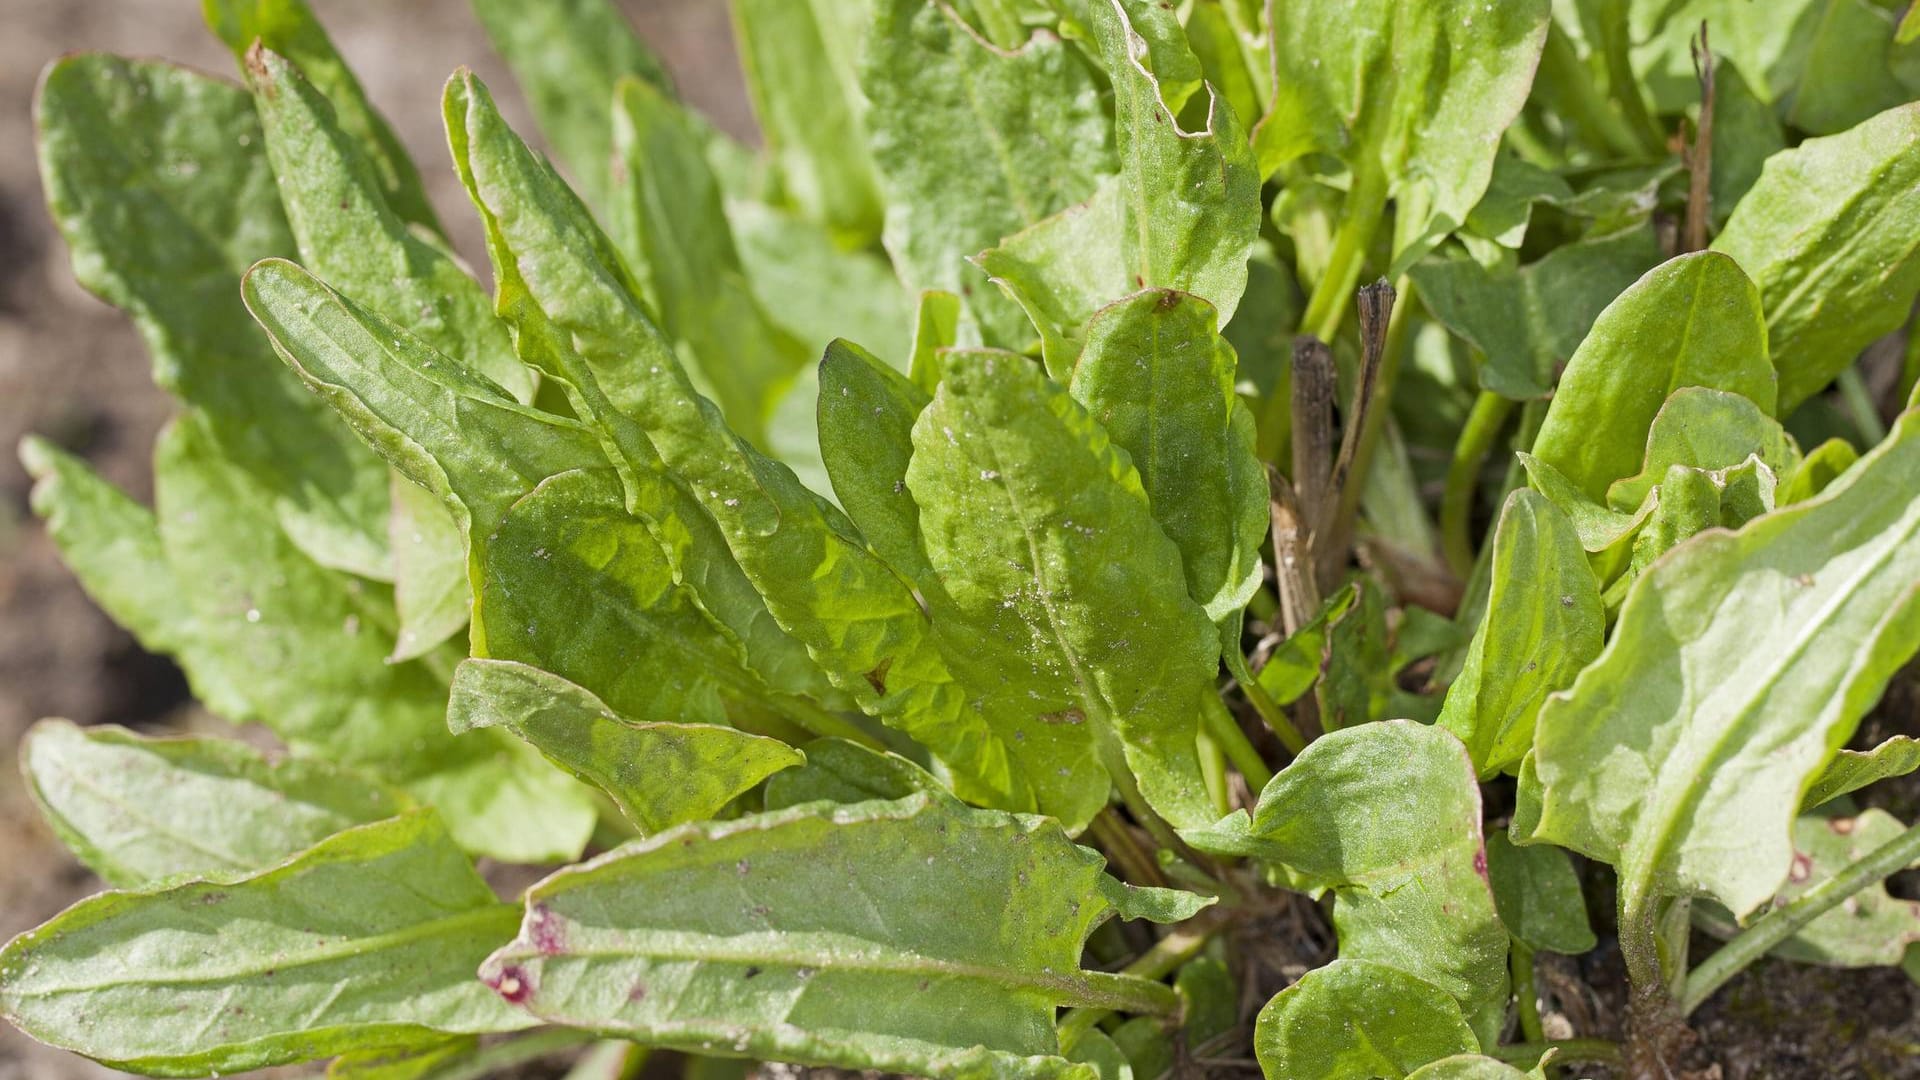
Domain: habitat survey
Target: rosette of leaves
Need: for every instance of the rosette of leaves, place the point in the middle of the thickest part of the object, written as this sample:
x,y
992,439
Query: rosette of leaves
x,y
935,592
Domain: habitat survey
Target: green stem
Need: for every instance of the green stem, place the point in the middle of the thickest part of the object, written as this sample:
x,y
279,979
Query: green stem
x,y
1567,76
1135,864
1782,923
1861,408
1270,711
1524,994
1908,391
1488,415
501,1057
1156,963
1366,204
1591,1051
1226,732
1622,86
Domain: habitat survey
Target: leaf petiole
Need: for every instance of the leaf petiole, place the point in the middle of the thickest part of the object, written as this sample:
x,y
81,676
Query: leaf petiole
x,y
1366,204
1488,415
1782,923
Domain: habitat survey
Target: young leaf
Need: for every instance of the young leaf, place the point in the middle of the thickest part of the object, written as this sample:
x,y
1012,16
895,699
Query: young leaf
x,y
1297,662
1738,663
1412,98
349,236
659,774
168,246
560,280
1189,200
1691,321
667,219
1357,1020
1708,430
712,937
1851,770
940,96
866,420
1872,928
1053,572
1831,235
567,56
1159,379
138,810
1543,623
1527,322
799,59
1388,817
1820,467
288,28
1538,896
367,940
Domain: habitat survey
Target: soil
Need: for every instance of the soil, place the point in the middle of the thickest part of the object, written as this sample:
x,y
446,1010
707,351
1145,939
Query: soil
x,y
72,369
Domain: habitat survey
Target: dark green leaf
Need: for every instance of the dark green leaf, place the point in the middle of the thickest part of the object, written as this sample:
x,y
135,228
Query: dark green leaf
x,y
1538,896
867,410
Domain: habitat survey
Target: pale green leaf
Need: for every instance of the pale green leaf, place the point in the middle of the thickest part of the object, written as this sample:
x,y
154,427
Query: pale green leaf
x,y
1472,1067
659,773
1159,379
964,157
289,28
367,940
1154,905
157,179
1357,1020
430,593
1691,321
560,282
712,937
137,810
867,410
1388,817
1543,623
1527,322
800,59
1059,590
1739,663
816,291
1831,235
1707,430
846,772
1538,896
1411,98
566,56
1821,466
1851,770
1063,269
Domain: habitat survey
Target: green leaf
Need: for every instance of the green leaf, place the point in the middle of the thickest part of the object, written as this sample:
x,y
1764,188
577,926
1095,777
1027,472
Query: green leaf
x,y
1387,816
1296,663
660,774
1831,235
867,410
430,592
1154,905
280,640
1745,134
1820,467
712,937
669,222
566,56
964,157
1738,665
936,326
110,542
1159,379
168,245
1058,588
137,810
1708,430
846,772
1851,770
428,1062
1063,269
1872,928
1538,896
1846,77
863,626
1543,623
367,940
1527,322
1189,199
815,290
800,59
1598,527
288,28
1415,96
1355,679
349,236
1691,321
1357,1020
1472,1067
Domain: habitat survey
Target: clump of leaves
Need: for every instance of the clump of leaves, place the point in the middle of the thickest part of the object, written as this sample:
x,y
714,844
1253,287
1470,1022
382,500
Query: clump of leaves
x,y
980,557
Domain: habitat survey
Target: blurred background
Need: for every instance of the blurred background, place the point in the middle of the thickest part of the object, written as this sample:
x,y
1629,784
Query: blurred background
x,y
71,368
